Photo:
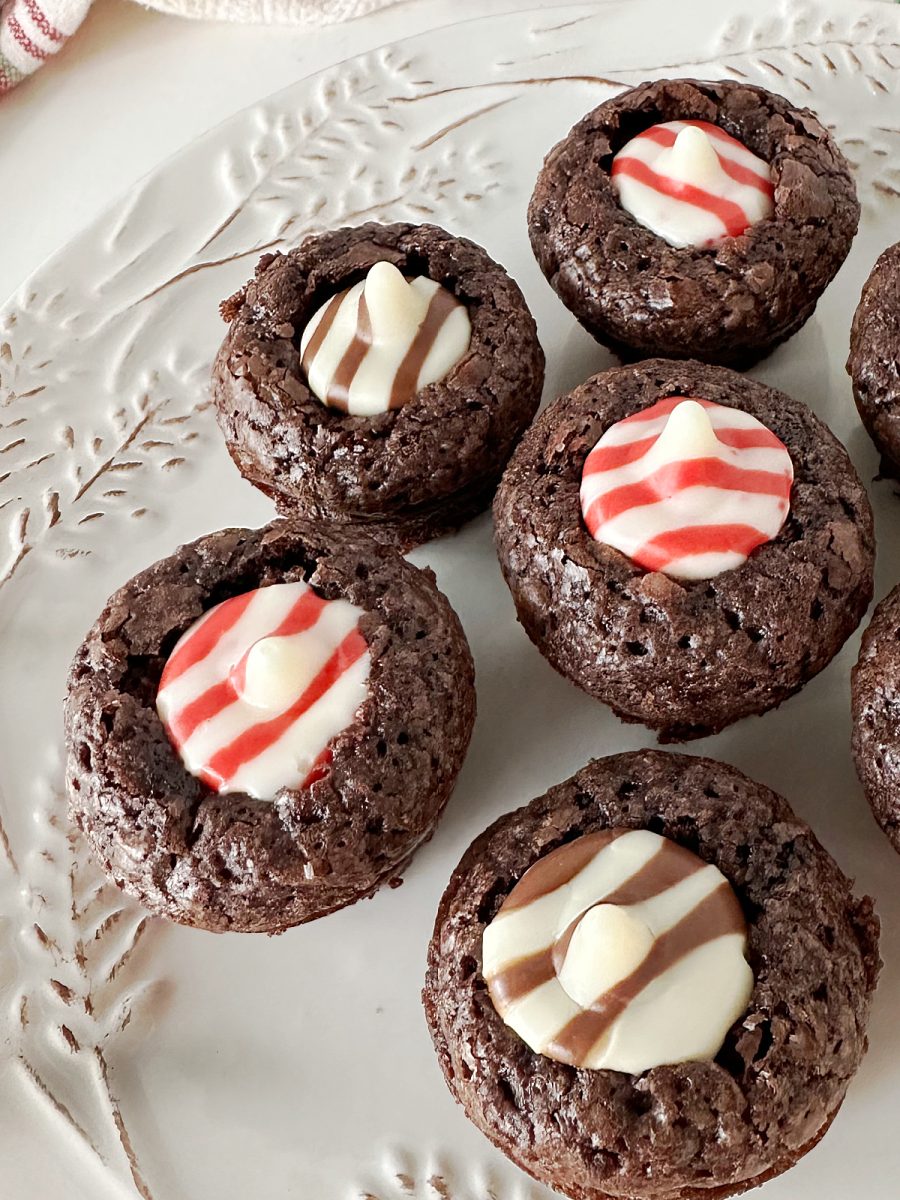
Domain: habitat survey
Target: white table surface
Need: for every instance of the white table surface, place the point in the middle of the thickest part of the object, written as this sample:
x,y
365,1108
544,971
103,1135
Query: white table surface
x,y
133,86
129,90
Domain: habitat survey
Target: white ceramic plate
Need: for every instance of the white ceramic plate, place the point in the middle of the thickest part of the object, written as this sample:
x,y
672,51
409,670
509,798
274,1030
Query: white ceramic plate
x,y
143,1059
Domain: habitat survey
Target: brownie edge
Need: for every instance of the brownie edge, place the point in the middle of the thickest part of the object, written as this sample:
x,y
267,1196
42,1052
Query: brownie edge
x,y
229,861
693,1130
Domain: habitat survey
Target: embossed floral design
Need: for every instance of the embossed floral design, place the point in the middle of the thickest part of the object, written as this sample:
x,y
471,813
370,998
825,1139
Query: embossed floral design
x,y
405,1174
66,465
338,157
103,415
78,983
788,52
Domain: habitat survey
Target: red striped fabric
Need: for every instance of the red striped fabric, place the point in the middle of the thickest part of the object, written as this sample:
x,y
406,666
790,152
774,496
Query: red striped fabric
x,y
31,32
42,22
30,47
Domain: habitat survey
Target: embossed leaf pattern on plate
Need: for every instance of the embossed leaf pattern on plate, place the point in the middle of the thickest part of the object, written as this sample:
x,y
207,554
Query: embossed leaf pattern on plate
x,y
109,456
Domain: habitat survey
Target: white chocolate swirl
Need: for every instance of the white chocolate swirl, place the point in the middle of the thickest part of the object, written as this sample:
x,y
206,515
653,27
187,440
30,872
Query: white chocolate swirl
x,y
374,346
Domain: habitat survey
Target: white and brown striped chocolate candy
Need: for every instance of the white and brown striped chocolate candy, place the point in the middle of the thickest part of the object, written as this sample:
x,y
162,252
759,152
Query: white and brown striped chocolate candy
x,y
622,951
375,345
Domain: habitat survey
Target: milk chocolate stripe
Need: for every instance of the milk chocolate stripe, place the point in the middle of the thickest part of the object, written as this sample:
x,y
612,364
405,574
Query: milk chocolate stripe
x,y
442,304
321,331
714,917
668,866
671,864
523,976
338,394
554,872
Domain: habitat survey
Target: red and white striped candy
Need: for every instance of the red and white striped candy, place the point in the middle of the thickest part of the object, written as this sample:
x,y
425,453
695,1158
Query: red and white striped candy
x,y
687,487
692,183
257,689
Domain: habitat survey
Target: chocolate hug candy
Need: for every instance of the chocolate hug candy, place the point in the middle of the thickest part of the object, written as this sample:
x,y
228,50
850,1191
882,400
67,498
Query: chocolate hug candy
x,y
694,219
373,346
620,950
378,376
625,982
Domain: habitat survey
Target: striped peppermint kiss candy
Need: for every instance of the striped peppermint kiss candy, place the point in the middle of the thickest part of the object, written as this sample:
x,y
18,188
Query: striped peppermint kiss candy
x,y
692,183
374,346
257,689
687,487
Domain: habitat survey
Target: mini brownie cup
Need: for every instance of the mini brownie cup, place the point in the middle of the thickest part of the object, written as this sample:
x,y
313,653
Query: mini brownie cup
x,y
730,303
874,362
695,1129
230,861
876,723
409,473
685,657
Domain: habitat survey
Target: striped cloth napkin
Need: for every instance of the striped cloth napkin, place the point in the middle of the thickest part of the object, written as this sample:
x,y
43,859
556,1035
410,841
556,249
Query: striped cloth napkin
x,y
31,31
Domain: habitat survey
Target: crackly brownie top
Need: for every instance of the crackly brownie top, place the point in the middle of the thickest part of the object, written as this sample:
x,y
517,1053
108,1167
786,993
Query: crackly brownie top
x,y
875,354
702,649
388,772
876,730
728,301
696,1128
454,433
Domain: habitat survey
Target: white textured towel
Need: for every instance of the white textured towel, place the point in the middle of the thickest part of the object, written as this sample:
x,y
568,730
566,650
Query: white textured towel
x,y
32,31
270,12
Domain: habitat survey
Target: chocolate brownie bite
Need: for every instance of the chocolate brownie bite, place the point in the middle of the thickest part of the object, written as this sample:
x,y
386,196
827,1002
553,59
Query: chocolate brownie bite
x,y
263,727
379,375
874,362
693,219
651,982
684,543
876,715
